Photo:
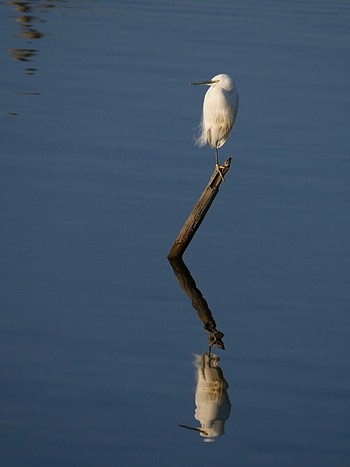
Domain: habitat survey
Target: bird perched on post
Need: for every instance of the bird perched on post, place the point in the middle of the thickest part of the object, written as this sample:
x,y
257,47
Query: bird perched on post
x,y
220,109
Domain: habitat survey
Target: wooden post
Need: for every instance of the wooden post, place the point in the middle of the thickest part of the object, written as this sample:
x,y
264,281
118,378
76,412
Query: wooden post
x,y
198,213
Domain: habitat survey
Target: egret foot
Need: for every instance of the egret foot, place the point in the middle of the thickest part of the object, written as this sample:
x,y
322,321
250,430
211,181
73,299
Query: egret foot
x,y
219,168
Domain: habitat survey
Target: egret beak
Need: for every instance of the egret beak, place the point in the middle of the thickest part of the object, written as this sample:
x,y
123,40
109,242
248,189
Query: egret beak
x,y
205,433
208,83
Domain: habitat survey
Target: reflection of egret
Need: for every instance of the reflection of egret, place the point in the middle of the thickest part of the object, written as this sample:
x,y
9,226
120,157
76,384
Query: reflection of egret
x,y
220,109
213,406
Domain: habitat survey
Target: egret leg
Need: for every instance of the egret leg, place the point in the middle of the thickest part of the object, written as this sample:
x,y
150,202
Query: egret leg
x,y
217,165
217,157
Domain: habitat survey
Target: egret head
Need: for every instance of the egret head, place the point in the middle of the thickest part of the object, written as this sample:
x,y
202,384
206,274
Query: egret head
x,y
220,81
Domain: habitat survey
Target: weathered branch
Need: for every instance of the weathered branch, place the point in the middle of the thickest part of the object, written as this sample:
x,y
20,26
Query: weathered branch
x,y
198,213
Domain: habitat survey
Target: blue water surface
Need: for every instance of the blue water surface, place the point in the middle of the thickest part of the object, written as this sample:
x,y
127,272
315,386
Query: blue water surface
x,y
98,174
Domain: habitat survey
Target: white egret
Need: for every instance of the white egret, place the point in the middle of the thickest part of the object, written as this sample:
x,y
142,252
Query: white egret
x,y
220,109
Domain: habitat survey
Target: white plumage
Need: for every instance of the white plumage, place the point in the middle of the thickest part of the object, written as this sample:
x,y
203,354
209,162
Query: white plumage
x,y
220,109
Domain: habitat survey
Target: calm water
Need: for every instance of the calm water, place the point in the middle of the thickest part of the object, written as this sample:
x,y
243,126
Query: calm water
x,y
101,347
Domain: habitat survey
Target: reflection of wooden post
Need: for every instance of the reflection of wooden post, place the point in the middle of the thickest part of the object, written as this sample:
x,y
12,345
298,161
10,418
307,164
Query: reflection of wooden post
x,y
188,284
198,213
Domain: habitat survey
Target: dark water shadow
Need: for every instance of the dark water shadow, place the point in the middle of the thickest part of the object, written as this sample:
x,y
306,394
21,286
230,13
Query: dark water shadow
x,y
28,24
29,17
